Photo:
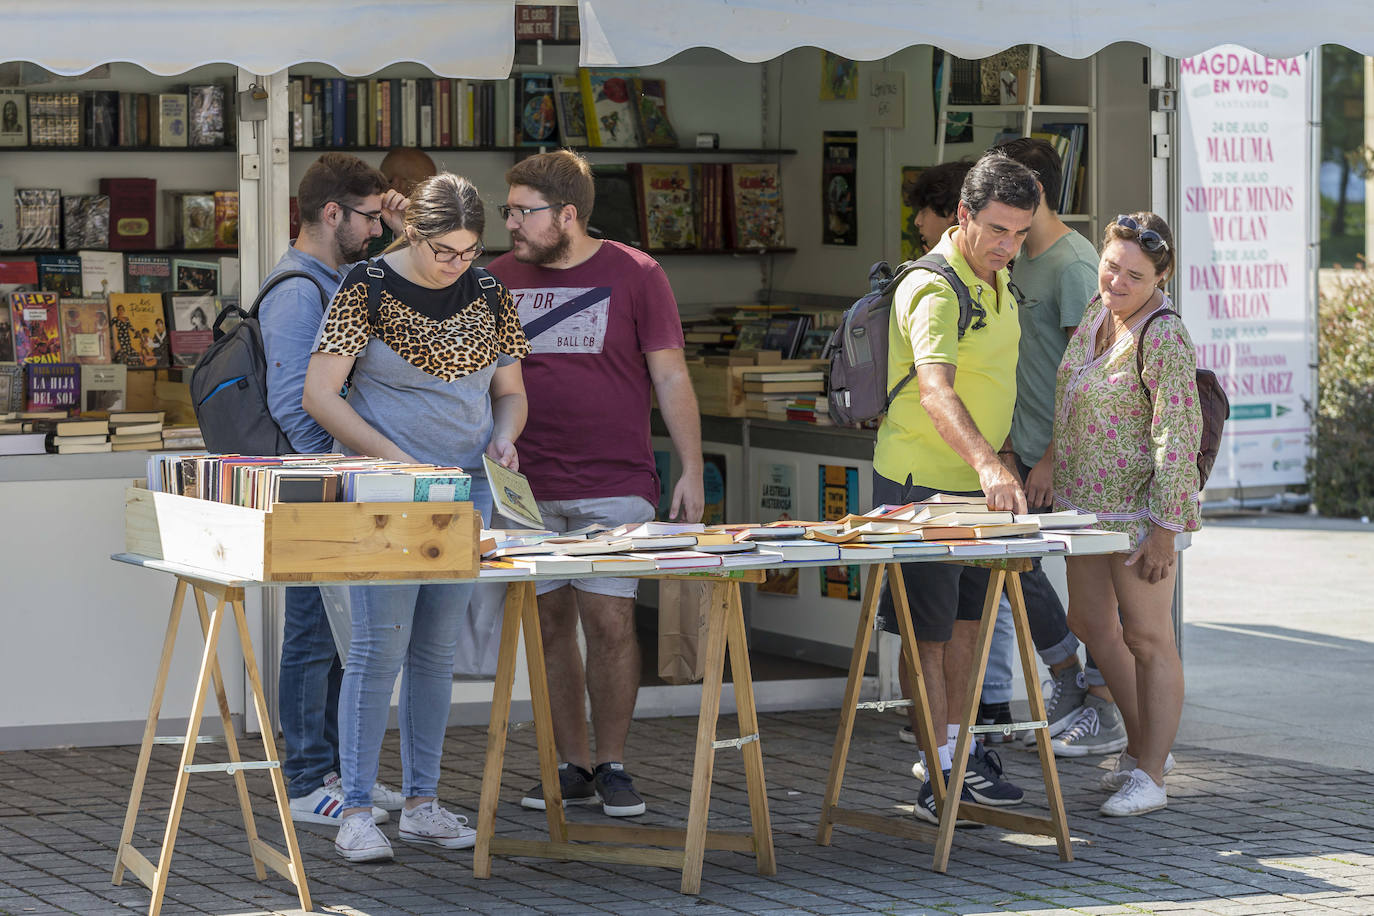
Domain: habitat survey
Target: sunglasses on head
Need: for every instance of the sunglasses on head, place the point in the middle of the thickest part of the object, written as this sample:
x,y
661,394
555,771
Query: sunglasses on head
x,y
1149,239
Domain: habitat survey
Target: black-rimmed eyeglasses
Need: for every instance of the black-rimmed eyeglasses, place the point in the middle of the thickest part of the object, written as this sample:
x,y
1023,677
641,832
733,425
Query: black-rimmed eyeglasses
x,y
521,212
1149,239
448,255
370,217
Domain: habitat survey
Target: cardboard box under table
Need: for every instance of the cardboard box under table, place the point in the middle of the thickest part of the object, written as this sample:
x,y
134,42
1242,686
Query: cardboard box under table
x,y
216,551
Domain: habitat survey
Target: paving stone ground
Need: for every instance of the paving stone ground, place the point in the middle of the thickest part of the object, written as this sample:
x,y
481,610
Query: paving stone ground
x,y
1242,835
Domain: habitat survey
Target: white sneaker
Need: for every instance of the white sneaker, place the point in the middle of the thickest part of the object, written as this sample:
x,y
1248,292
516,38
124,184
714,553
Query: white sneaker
x,y
1124,765
360,840
387,798
437,826
1139,795
326,805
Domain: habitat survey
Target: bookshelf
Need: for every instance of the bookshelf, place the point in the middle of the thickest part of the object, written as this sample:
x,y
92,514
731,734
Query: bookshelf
x,y
1074,82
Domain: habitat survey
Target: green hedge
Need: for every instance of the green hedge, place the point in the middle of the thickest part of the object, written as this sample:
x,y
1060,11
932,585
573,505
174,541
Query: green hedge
x,y
1342,470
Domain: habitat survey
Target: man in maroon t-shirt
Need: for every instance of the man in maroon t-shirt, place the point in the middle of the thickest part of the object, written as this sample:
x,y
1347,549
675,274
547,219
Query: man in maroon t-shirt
x,y
606,333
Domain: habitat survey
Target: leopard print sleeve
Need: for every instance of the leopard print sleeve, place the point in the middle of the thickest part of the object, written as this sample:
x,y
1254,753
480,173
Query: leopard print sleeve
x,y
510,336
345,331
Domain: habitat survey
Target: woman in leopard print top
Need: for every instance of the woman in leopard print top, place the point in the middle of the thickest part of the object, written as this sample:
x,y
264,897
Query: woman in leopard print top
x,y
435,378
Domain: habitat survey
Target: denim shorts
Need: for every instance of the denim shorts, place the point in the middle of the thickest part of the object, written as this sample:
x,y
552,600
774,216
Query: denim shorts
x,y
937,593
571,514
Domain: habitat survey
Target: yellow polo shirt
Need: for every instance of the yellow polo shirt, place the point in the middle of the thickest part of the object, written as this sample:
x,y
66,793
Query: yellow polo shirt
x,y
924,329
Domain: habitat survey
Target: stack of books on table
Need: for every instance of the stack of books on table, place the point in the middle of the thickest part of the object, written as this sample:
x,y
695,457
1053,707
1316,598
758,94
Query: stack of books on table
x,y
182,437
75,435
135,430
767,391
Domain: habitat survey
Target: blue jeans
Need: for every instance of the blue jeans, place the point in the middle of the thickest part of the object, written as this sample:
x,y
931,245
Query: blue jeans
x,y
308,693
414,627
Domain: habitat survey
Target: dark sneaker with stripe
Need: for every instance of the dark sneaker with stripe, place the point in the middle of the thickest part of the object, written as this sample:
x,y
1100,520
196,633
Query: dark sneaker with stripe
x,y
574,782
925,804
983,779
617,791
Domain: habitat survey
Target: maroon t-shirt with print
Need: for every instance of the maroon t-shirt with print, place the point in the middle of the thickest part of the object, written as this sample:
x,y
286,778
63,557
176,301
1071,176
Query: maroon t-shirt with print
x,y
587,379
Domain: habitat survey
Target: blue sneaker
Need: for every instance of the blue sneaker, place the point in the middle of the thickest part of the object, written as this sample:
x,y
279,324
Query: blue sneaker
x,y
925,804
983,779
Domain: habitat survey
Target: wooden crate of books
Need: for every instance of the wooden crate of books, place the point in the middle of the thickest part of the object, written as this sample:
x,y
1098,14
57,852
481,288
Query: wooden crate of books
x,y
305,542
720,389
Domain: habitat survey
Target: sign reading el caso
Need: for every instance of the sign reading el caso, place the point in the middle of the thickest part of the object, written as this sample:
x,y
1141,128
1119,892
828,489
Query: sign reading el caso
x,y
1245,282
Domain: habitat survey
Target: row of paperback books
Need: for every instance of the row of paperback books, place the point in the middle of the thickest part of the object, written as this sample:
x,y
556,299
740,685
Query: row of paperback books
x,y
704,206
45,218
98,274
595,108
446,113
122,216
194,117
142,330
260,481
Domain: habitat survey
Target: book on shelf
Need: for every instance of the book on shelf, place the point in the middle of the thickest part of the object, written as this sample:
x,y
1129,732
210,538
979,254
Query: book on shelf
x,y
138,330
205,115
609,107
572,121
87,449
191,214
11,386
536,119
53,386
169,127
784,334
36,327
60,274
226,223
86,221
54,118
666,194
133,212
93,439
104,387
9,228
147,273
38,218
193,274
23,443
102,119
85,329
651,107
14,118
190,314
754,202
102,273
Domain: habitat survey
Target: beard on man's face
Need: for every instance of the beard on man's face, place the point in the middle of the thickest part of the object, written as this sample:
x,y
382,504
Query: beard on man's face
x,y
543,251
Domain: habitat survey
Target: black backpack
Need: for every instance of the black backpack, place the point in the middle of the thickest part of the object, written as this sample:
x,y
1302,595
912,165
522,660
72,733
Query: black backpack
x,y
857,350
229,383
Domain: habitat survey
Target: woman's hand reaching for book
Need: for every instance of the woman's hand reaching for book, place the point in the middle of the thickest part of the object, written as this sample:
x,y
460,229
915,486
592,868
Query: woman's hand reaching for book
x,y
502,451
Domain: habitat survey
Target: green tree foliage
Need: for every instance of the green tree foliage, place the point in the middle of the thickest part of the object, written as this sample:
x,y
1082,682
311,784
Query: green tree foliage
x,y
1341,471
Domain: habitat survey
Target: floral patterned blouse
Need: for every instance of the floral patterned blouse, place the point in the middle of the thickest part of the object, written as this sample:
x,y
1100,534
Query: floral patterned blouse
x,y
1127,453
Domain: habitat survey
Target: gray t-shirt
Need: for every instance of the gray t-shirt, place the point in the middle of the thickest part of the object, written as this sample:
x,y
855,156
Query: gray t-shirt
x,y
433,401
1057,284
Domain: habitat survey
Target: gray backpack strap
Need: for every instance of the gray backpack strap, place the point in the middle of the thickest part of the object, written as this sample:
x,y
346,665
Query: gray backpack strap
x,y
937,264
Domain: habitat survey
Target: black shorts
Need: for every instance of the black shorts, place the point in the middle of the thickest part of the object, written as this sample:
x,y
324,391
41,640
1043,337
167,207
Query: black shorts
x,y
938,593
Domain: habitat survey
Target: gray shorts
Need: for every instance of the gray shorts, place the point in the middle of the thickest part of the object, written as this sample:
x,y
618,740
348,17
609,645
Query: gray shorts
x,y
571,514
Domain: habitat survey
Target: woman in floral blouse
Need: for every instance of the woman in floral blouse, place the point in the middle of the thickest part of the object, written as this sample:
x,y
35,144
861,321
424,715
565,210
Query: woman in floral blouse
x,y
1126,442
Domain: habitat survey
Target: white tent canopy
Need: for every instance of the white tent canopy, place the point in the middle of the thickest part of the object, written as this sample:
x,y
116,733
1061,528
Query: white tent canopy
x,y
632,33
471,38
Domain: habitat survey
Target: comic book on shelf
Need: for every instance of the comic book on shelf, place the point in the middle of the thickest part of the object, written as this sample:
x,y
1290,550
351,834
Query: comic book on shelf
x,y
651,106
608,104
572,120
37,331
536,120
85,330
755,201
667,205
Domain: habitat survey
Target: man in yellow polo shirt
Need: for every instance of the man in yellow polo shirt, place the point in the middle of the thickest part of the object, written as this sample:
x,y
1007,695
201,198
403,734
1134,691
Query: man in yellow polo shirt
x,y
949,432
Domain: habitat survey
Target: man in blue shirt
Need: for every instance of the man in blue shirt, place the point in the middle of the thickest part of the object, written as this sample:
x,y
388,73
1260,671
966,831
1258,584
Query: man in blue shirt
x,y
343,202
